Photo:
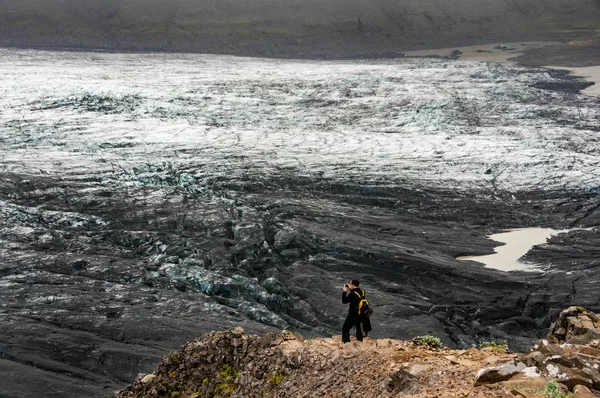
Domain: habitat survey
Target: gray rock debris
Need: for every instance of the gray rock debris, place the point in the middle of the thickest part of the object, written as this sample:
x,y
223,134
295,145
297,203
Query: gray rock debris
x,y
570,355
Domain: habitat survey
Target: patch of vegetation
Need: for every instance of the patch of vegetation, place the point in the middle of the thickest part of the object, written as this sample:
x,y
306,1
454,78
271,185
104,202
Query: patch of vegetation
x,y
429,341
226,388
550,390
494,345
276,380
226,371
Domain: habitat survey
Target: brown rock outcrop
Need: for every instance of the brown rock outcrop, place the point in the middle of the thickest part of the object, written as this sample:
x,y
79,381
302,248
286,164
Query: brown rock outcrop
x,y
235,364
576,325
570,355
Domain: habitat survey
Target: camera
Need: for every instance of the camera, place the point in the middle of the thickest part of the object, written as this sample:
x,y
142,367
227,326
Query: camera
x,y
346,285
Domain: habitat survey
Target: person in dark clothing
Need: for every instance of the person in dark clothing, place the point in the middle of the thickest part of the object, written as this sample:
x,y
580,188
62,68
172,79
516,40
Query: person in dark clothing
x,y
365,322
352,294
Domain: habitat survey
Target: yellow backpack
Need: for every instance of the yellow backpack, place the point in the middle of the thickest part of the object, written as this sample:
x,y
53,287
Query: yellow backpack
x,y
363,305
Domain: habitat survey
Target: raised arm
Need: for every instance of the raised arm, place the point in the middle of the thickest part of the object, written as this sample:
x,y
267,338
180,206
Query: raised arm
x,y
345,298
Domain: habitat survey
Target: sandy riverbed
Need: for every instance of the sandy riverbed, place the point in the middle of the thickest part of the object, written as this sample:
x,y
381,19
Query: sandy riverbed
x,y
504,53
493,52
589,73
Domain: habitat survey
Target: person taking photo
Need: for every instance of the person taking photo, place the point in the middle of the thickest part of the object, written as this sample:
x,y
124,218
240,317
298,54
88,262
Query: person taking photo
x,y
357,298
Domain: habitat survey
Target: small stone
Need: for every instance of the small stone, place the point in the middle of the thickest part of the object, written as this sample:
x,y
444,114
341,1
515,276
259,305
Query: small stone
x,y
492,360
238,331
334,356
148,378
404,382
296,361
451,358
287,335
534,358
387,384
418,368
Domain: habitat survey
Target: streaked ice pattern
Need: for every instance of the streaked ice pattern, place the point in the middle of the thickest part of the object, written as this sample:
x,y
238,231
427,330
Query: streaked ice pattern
x,y
429,121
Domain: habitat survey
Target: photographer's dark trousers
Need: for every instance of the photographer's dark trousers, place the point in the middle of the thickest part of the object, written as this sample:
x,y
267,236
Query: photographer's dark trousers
x,y
351,320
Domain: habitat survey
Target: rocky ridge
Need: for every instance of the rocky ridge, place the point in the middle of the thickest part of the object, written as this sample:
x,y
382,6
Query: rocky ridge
x,y
235,364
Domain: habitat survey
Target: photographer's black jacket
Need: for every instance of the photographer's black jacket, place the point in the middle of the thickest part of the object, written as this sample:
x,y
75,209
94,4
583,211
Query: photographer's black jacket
x,y
352,298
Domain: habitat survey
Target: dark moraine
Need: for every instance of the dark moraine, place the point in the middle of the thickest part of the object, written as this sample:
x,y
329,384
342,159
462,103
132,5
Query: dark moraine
x,y
85,309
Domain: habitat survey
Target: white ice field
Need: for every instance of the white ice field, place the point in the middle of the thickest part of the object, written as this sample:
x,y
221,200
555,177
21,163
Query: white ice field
x,y
435,122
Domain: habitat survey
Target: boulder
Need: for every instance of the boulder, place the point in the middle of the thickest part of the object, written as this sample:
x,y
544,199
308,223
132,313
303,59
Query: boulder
x,y
402,382
568,376
583,392
575,325
498,373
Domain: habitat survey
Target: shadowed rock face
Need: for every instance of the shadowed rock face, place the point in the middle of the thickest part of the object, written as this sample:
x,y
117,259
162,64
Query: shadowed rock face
x,y
281,28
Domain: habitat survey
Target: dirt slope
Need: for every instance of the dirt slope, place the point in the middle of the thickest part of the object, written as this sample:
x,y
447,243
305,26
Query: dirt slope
x,y
279,28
